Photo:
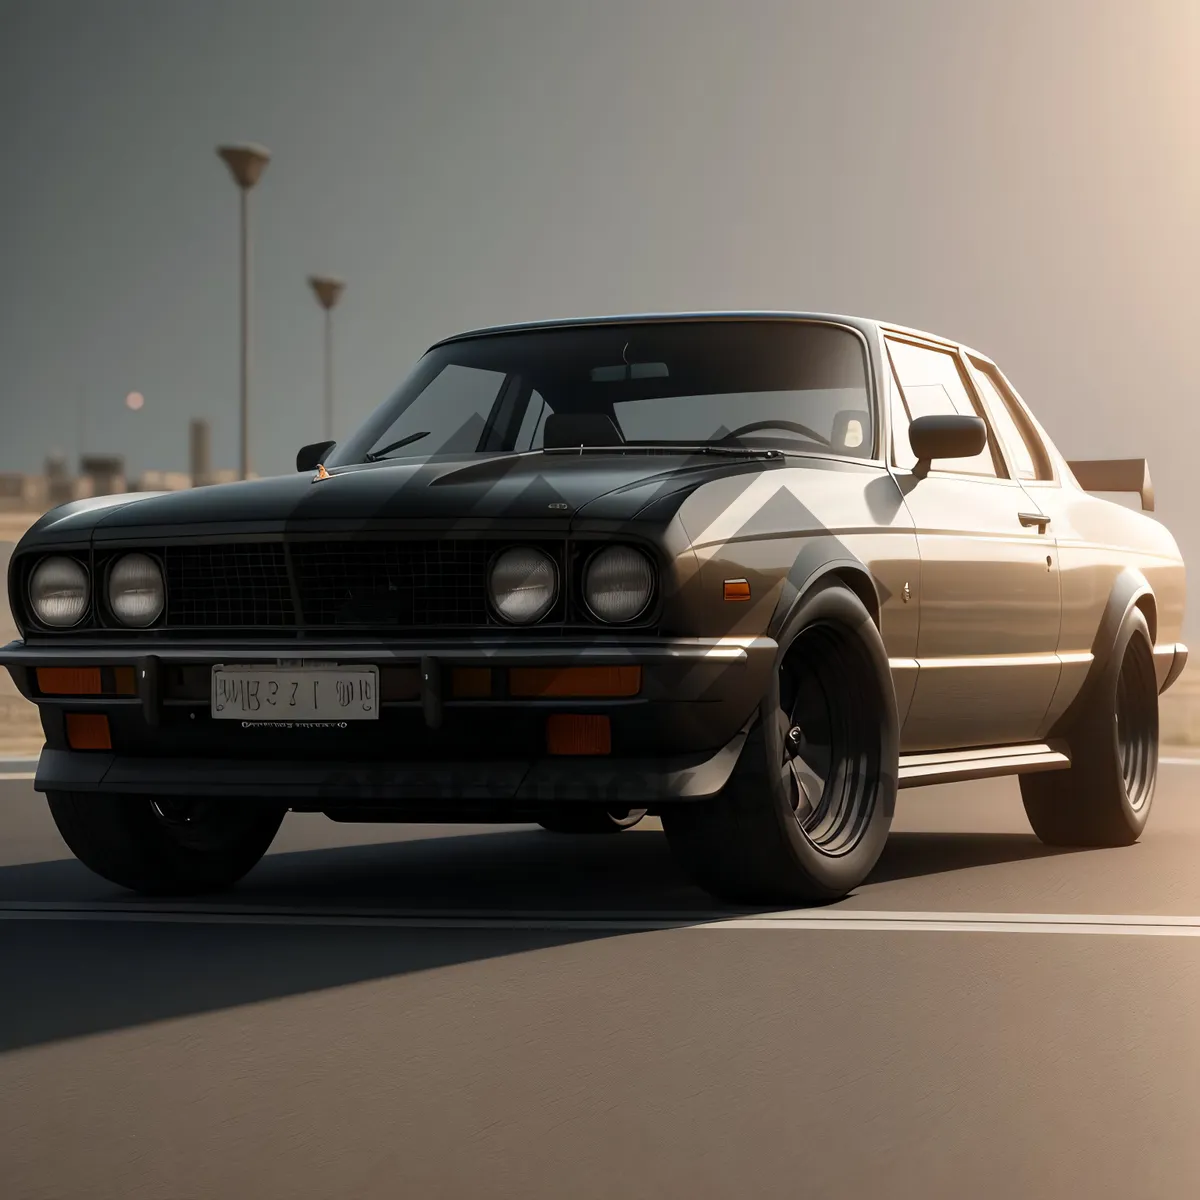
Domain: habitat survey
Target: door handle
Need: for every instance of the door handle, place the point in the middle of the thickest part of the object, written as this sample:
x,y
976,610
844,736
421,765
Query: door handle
x,y
1030,519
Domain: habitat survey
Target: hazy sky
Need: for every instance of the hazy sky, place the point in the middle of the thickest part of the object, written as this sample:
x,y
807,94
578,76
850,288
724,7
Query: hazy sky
x,y
1024,176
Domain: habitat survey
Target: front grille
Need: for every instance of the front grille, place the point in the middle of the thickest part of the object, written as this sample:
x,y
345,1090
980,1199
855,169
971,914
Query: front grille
x,y
239,586
380,584
339,584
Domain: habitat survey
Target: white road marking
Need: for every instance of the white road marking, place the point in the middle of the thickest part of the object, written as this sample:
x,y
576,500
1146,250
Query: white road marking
x,y
16,775
827,920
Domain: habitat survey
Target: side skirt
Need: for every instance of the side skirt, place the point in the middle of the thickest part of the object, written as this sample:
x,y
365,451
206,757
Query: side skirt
x,y
954,766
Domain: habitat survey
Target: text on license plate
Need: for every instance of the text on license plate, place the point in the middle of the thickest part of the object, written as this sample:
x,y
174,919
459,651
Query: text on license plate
x,y
295,693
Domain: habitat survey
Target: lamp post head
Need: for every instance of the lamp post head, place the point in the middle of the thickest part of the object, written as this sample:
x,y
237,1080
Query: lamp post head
x,y
328,291
246,163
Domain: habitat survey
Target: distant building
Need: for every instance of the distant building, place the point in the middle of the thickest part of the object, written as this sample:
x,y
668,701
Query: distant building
x,y
61,487
23,493
200,453
162,481
106,473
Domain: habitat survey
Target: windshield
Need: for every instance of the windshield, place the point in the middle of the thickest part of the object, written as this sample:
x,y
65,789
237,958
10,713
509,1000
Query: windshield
x,y
796,386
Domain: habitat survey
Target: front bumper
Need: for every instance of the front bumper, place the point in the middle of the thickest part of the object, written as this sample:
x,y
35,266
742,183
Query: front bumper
x,y
401,786
677,739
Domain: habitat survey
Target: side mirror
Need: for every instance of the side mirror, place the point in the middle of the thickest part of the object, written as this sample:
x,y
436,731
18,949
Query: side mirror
x,y
308,457
946,435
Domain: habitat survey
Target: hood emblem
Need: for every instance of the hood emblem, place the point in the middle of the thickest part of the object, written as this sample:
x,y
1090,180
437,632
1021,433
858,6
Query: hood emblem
x,y
321,473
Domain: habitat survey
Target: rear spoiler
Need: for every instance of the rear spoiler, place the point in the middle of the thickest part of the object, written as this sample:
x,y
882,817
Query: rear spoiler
x,y
1115,475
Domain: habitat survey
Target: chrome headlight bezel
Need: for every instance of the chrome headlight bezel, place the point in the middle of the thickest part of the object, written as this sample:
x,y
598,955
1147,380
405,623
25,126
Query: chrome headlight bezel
x,y
138,558
651,588
64,561
495,603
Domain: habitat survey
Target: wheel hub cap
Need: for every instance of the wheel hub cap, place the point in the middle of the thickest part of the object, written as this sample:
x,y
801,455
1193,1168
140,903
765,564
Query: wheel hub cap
x,y
805,769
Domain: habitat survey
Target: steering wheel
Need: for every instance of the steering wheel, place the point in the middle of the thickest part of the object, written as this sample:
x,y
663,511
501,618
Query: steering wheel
x,y
790,426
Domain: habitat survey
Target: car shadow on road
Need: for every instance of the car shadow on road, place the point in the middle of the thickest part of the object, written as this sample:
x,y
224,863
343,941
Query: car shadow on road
x,y
74,978
508,869
918,855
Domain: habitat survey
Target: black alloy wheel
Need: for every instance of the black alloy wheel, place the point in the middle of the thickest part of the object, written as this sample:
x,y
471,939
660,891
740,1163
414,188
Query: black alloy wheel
x,y
807,809
829,751
1136,721
1105,798
166,845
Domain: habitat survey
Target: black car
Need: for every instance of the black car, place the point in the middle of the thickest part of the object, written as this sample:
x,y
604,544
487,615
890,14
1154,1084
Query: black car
x,y
574,573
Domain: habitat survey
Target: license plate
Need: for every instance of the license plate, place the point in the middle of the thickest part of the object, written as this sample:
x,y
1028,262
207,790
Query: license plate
x,y
285,694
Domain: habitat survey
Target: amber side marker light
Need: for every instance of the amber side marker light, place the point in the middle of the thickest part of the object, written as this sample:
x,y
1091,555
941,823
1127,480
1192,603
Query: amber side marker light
x,y
568,733
69,681
737,589
125,679
88,731
528,682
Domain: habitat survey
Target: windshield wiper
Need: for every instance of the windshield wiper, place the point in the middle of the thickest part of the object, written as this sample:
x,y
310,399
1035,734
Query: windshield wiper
x,y
376,455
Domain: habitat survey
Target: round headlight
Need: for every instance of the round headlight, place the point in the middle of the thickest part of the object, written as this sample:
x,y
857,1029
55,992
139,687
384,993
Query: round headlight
x,y
58,592
523,585
618,584
135,590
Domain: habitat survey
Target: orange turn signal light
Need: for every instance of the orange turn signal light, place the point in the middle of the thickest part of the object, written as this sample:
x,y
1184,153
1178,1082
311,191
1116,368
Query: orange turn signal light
x,y
69,681
88,731
737,589
574,681
569,733
86,681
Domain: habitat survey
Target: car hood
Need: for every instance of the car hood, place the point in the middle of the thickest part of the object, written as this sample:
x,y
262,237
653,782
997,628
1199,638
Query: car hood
x,y
528,487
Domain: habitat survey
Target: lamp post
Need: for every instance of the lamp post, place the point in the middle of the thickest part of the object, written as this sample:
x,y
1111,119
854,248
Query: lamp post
x,y
328,292
246,164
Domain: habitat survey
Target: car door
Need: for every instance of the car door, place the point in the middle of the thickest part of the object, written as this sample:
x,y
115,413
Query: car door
x,y
989,604
1031,465
1091,552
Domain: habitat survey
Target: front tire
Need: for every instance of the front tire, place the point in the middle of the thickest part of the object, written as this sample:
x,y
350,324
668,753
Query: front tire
x,y
1104,798
164,847
807,811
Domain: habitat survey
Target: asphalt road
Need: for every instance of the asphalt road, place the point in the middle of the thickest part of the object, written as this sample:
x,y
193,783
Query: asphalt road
x,y
332,1028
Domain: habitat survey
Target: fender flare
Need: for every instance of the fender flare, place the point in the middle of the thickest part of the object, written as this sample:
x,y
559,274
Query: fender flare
x,y
820,559
817,565
1130,590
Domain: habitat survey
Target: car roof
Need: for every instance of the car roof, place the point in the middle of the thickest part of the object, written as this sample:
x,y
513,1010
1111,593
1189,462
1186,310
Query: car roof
x,y
907,331
654,317
865,325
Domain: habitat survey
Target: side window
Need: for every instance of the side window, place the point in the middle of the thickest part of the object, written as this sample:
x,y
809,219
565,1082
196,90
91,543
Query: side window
x,y
933,383
902,454
1027,457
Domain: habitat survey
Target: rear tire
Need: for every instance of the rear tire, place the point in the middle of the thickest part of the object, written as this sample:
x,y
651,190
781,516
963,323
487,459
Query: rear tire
x,y
164,847
1104,798
584,819
807,811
